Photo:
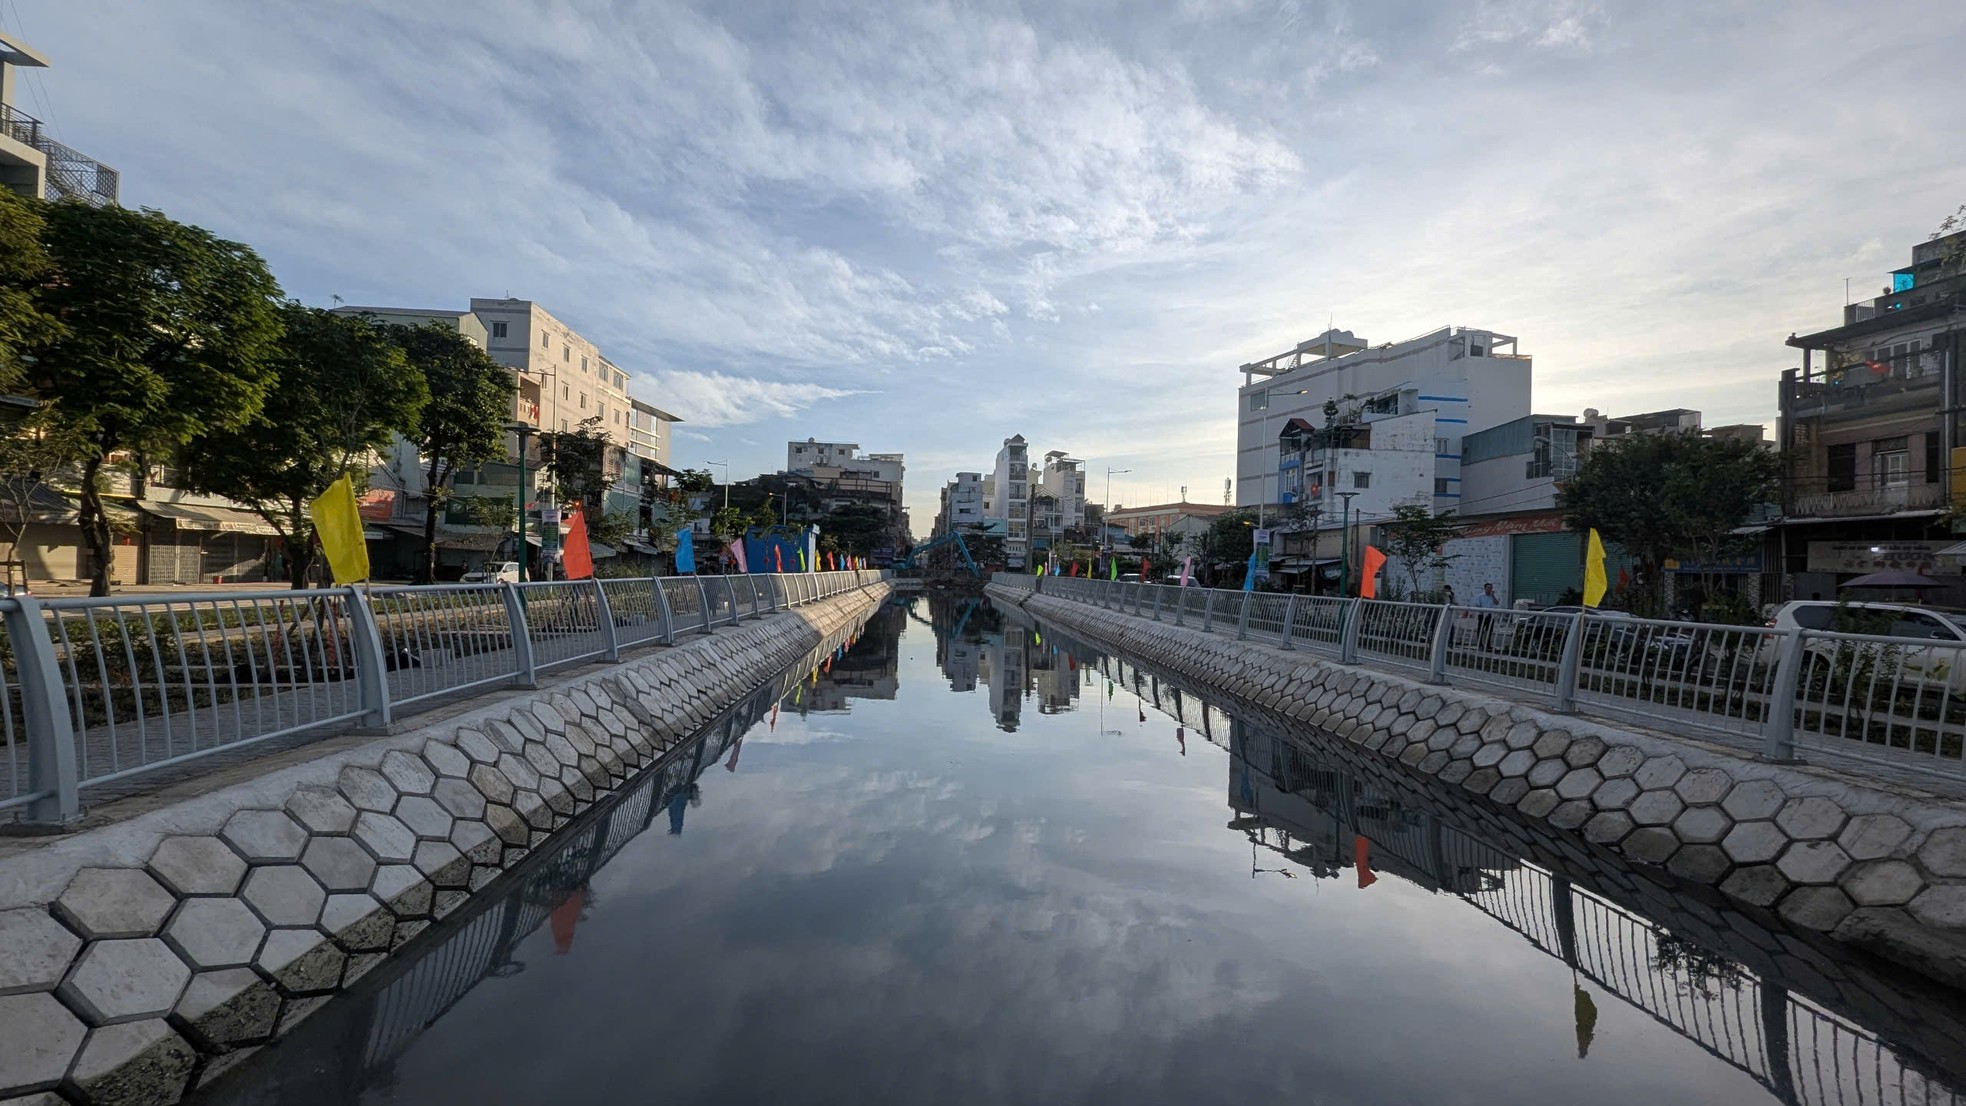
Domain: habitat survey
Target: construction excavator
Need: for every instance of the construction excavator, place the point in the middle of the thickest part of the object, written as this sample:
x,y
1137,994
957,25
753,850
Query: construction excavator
x,y
917,556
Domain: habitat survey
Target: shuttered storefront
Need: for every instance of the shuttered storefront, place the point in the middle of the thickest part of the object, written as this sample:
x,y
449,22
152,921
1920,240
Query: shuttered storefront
x,y
1544,566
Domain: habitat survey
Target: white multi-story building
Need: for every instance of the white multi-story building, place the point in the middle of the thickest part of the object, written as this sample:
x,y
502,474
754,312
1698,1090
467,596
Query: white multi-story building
x,y
962,503
1466,379
562,378
1010,498
32,162
1063,480
648,431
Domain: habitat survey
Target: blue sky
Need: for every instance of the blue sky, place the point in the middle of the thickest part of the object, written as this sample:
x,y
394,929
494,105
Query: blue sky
x,y
925,227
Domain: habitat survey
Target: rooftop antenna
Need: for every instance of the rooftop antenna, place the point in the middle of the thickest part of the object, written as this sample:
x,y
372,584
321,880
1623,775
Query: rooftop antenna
x,y
1184,493
336,297
1227,484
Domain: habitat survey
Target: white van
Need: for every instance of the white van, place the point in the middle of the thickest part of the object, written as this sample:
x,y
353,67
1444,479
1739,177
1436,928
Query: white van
x,y
494,572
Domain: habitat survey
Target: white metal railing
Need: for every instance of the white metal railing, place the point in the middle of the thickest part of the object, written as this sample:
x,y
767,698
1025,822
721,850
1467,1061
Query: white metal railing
x,y
94,690
1856,697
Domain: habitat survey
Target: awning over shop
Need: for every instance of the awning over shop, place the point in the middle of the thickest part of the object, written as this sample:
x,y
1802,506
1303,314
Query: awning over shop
x,y
1957,549
476,539
600,549
36,503
643,548
210,519
1824,520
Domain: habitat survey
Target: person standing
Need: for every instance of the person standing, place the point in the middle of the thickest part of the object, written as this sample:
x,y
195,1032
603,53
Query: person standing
x,y
1487,601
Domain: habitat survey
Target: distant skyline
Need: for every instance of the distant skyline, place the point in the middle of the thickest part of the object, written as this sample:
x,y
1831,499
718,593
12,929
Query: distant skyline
x,y
927,227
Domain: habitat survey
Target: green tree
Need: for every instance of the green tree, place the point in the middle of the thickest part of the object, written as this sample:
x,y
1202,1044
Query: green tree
x,y
31,450
857,527
463,424
344,390
1229,540
727,522
24,267
1665,496
582,465
160,332
1414,537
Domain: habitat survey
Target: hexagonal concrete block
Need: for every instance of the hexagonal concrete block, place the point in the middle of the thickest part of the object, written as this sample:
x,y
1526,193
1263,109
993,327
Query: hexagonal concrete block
x,y
1521,736
1753,799
1538,802
1873,836
35,951
1608,827
1702,824
321,810
1583,752
1703,785
475,841
339,863
1620,760
425,817
407,773
1545,773
1814,862
1810,819
1615,794
265,836
225,1009
1754,842
386,838
443,864
1659,772
1944,852
1883,883
358,923
506,823
1655,808
481,749
458,798
404,890
1553,743
1649,845
1943,905
114,902
197,866
301,961
1699,863
116,981
1818,908
1572,814
285,895
42,1038
1489,755
215,933
1756,884
142,1061
367,789
488,781
1517,764
519,771
446,761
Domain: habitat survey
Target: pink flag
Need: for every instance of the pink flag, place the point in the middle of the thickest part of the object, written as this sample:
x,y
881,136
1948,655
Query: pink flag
x,y
1186,565
737,554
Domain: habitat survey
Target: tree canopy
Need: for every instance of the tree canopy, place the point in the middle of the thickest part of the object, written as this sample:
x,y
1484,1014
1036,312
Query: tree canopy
x,y
1414,538
159,332
857,527
463,424
24,266
580,464
344,389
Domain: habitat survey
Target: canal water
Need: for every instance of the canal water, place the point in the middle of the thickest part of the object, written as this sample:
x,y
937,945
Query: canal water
x,y
972,860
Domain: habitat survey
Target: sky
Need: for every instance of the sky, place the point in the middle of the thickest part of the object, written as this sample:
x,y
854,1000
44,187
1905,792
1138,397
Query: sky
x,y
927,227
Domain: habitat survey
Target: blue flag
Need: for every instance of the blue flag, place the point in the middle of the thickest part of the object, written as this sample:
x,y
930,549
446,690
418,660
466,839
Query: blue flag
x,y
685,552
1249,578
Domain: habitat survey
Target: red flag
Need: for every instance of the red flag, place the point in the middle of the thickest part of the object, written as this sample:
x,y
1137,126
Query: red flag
x,y
576,557
1144,577
778,554
1368,581
1362,860
1075,569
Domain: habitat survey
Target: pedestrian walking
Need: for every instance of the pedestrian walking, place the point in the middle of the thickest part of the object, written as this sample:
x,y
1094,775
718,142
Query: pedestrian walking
x,y
1487,601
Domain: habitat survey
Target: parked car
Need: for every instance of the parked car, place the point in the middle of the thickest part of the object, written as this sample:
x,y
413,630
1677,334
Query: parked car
x,y
493,572
1129,577
1942,663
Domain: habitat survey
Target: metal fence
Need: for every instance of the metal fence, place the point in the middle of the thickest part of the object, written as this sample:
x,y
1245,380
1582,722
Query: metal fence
x,y
1858,697
98,690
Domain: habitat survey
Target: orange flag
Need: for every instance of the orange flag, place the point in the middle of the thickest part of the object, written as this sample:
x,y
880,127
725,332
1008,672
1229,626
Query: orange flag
x,y
1362,860
778,555
1368,581
576,556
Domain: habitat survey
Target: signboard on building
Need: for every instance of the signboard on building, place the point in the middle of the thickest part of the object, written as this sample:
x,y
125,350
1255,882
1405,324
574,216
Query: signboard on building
x,y
1746,562
1875,556
377,504
1544,522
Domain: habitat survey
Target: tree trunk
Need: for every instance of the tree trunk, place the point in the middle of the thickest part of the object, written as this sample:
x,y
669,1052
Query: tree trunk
x,y
300,555
427,573
94,522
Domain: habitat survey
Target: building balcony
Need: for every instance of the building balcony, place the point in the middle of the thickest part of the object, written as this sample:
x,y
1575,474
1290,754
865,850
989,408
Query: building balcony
x,y
69,174
1870,501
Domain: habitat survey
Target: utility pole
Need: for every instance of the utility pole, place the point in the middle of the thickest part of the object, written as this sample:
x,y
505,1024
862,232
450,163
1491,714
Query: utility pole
x,y
522,429
1110,470
1345,540
726,465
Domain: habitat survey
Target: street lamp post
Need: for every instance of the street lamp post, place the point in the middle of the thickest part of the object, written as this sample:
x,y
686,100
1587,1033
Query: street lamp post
x,y
726,465
523,430
1110,470
1345,540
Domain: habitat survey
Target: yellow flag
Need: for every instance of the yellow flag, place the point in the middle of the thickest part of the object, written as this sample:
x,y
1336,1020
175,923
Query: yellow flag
x,y
1595,585
339,524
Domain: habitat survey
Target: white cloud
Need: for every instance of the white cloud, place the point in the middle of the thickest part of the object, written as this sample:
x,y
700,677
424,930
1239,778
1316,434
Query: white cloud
x,y
715,400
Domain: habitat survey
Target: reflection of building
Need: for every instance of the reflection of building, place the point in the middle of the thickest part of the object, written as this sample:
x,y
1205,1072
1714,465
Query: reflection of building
x,y
867,669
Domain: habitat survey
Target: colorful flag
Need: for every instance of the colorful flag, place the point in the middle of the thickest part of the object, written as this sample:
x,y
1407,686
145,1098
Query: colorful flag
x,y
1112,568
1187,565
737,555
1249,573
778,555
685,552
1075,569
1595,585
1040,569
338,523
1362,860
802,560
1368,581
1144,578
576,556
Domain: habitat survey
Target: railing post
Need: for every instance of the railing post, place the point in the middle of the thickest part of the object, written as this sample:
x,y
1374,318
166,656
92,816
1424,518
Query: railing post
x,y
1778,728
525,673
1208,611
51,763
1568,667
1180,606
1157,591
1242,619
371,672
662,610
604,614
1443,639
1348,635
1290,621
703,601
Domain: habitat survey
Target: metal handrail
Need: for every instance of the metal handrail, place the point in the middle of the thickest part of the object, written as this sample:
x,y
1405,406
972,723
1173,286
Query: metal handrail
x,y
1865,698
101,689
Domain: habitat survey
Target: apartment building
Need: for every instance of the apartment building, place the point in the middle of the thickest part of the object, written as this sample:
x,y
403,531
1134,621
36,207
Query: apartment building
x,y
1063,483
842,474
563,380
962,504
1010,499
649,431
1467,379
32,162
1870,431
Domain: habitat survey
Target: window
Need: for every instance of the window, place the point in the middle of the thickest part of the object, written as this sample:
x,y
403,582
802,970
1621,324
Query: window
x,y
1917,624
566,392
1890,463
566,353
1361,480
545,342
1383,405
1440,446
583,362
1932,463
1842,467
583,401
1440,486
1475,349
498,330
1259,401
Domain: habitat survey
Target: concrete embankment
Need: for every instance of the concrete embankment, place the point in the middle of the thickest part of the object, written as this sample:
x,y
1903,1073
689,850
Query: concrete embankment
x,y
144,958
1876,865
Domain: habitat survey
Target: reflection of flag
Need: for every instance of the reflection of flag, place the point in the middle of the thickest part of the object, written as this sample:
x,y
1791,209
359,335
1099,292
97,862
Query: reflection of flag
x,y
1586,1021
1368,581
576,556
565,917
1595,584
338,523
774,719
1362,860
